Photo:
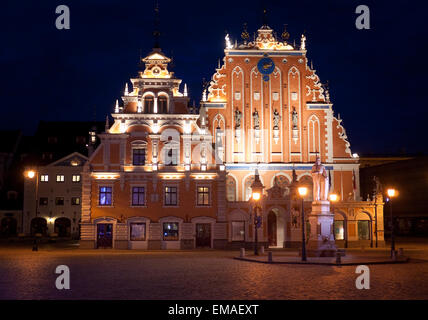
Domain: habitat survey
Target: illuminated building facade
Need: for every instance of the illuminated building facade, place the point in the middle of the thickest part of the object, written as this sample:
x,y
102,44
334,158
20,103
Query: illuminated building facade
x,y
152,182
165,177
268,109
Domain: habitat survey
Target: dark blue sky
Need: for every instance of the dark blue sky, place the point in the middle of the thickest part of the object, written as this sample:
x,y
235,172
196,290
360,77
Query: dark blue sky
x,y
377,77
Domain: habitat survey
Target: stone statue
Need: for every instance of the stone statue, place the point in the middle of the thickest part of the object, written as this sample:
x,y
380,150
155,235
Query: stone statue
x,y
320,181
294,118
238,116
276,119
256,120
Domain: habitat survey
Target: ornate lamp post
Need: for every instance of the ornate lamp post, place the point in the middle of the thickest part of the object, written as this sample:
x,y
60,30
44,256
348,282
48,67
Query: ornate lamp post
x,y
256,194
391,194
303,191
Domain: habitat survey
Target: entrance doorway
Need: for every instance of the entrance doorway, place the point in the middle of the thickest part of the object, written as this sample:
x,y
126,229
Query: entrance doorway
x,y
203,235
272,226
8,227
104,235
63,227
39,226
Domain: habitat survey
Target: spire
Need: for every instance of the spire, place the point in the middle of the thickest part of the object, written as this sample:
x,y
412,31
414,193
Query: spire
x,y
265,18
126,89
245,35
107,127
185,90
116,108
285,35
156,32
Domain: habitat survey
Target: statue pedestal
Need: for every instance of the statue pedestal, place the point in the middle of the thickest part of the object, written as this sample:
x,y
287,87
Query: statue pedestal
x,y
321,239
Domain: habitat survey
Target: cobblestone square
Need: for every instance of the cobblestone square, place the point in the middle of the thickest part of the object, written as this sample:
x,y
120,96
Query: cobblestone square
x,y
114,274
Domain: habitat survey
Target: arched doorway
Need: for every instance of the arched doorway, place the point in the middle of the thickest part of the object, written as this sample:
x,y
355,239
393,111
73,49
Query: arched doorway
x,y
340,229
8,227
39,225
62,227
272,226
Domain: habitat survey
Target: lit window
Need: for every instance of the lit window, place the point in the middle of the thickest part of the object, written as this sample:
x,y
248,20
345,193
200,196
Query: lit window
x,y
170,196
170,231
203,196
138,157
75,201
138,231
238,230
138,196
60,178
59,201
43,201
44,178
76,177
105,196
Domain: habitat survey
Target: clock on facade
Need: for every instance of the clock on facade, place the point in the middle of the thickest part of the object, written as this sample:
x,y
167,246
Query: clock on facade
x,y
266,67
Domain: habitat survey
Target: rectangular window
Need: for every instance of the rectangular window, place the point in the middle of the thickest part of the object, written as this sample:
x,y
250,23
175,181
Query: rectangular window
x,y
203,196
60,178
139,157
138,196
44,178
363,230
43,201
170,231
75,201
238,231
76,178
138,231
105,196
59,201
170,196
339,230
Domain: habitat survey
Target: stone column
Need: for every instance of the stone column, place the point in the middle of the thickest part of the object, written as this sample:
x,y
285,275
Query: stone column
x,y
321,239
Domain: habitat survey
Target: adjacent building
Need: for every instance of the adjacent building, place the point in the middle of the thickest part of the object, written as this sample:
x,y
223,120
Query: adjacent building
x,y
52,198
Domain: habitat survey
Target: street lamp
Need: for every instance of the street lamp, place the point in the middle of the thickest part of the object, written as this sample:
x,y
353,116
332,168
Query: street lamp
x,y
303,191
391,194
333,199
256,194
31,174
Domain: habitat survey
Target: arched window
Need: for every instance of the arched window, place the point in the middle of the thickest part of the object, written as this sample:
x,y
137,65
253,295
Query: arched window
x,y
162,104
148,104
314,135
230,189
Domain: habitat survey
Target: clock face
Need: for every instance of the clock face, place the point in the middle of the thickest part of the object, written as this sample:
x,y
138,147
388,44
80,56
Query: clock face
x,y
266,66
156,71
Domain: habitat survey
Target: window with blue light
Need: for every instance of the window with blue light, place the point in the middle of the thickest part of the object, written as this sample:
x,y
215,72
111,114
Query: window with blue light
x,y
105,196
170,231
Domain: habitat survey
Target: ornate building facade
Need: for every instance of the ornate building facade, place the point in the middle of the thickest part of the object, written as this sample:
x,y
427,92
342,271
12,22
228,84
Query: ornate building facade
x,y
168,177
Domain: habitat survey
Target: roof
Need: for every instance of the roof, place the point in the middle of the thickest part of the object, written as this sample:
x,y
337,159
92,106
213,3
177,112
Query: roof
x,y
9,141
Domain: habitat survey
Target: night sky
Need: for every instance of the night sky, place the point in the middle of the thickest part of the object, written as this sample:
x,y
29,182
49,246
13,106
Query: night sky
x,y
377,77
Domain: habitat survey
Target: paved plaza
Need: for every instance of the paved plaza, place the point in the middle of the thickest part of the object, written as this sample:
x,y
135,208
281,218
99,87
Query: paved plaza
x,y
114,274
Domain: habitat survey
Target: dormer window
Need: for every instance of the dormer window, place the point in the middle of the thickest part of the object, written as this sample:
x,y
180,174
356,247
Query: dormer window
x,y
148,104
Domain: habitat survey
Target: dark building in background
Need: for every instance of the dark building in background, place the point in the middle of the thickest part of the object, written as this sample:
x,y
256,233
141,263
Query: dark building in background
x,y
52,141
409,176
